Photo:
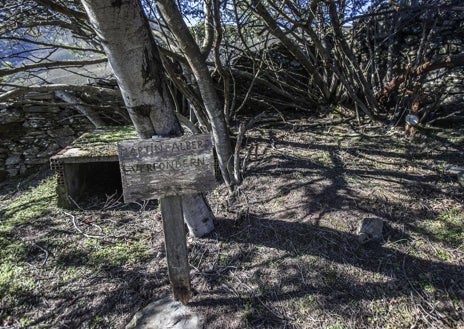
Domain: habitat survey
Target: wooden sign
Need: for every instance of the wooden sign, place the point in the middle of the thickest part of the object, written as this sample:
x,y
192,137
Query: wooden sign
x,y
155,168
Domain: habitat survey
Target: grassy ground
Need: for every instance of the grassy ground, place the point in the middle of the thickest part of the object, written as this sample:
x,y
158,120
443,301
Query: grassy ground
x,y
284,253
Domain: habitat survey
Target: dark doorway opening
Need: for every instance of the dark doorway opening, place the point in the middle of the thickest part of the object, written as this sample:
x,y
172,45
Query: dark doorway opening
x,y
92,183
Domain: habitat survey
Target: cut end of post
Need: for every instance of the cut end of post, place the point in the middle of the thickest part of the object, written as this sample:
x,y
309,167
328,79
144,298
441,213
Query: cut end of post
x,y
182,294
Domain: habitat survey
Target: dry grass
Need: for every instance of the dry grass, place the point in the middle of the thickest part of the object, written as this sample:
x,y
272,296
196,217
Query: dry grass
x,y
284,253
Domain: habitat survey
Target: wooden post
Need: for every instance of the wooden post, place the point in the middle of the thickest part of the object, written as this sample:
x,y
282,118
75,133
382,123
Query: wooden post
x,y
176,247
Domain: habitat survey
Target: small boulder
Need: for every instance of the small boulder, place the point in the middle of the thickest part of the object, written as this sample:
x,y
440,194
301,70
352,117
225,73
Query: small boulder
x,y
370,229
166,313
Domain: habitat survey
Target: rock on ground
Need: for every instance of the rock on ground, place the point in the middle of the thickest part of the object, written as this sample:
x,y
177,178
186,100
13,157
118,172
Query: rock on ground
x,y
370,229
166,314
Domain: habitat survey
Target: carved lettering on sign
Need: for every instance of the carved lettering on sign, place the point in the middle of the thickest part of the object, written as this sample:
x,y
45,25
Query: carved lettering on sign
x,y
155,147
169,166
176,164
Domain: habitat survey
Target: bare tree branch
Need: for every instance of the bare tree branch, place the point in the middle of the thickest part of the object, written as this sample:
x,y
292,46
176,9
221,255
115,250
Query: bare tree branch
x,y
54,6
21,90
444,62
54,45
48,65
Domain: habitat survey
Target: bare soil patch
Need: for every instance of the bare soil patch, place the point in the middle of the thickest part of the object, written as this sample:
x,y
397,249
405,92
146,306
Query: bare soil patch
x,y
284,254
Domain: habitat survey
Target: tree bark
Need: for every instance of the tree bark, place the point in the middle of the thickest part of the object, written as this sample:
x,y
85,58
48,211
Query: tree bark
x,y
199,220
136,63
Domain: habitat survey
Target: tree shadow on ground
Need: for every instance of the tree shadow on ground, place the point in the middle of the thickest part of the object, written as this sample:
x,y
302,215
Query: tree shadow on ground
x,y
305,209
49,277
110,292
282,249
13,185
323,282
72,289
326,186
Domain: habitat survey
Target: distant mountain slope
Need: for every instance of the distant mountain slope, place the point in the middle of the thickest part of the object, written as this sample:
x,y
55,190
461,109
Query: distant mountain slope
x,y
19,53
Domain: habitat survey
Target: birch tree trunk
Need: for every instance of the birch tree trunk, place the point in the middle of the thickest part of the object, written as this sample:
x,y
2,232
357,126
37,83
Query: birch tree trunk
x,y
136,63
134,57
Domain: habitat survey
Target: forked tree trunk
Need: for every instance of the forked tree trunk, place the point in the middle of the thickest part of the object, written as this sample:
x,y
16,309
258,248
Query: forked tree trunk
x,y
134,57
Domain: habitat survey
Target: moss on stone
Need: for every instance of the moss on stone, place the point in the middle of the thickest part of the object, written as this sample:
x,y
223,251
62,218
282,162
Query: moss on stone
x,y
103,141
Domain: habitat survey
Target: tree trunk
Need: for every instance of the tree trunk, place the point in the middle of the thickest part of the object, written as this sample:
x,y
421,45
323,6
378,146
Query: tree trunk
x,y
136,63
196,61
199,220
135,59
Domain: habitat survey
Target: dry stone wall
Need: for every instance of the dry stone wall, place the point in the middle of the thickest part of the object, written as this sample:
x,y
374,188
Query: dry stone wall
x,y
30,134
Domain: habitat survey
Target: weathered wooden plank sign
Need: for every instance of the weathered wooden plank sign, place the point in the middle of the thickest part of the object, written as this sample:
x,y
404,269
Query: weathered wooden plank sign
x,y
165,169
151,169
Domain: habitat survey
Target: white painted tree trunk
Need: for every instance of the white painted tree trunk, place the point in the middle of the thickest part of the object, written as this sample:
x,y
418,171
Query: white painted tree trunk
x,y
132,53
199,220
134,57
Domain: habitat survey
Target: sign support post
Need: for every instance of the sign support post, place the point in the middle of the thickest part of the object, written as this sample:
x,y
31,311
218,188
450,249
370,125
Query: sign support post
x,y
176,247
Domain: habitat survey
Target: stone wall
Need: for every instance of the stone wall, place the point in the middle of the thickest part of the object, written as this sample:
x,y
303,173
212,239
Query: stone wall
x,y
30,134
